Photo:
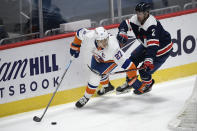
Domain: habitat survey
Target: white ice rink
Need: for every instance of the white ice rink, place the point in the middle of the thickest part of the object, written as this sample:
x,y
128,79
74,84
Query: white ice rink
x,y
127,112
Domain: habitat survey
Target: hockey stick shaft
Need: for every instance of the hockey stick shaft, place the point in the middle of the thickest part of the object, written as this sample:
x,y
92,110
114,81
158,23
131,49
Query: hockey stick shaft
x,y
118,72
113,73
67,67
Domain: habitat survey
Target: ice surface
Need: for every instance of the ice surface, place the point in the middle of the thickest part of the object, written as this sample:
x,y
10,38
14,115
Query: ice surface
x,y
126,112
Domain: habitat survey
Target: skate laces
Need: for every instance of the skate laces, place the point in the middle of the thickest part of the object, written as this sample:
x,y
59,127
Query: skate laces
x,y
83,100
103,90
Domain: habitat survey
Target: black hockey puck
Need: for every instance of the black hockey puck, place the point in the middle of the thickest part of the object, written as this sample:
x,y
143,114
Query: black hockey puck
x,y
53,123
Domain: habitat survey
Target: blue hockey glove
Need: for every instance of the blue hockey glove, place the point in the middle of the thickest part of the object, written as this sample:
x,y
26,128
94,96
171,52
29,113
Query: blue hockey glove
x,y
74,50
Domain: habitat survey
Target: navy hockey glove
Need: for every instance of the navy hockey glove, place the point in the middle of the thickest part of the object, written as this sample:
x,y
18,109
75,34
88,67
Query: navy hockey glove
x,y
74,50
122,37
148,64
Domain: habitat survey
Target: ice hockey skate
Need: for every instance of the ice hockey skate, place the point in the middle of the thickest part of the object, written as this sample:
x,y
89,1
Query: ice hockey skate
x,y
145,89
125,88
105,90
81,102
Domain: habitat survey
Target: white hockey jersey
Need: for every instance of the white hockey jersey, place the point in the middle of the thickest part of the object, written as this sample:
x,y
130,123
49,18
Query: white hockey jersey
x,y
112,53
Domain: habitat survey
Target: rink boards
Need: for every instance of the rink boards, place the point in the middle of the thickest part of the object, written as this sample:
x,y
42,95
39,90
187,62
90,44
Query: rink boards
x,y
30,71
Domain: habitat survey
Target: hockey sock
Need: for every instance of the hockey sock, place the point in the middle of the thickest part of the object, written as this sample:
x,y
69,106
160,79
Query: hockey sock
x,y
105,82
132,74
90,90
131,81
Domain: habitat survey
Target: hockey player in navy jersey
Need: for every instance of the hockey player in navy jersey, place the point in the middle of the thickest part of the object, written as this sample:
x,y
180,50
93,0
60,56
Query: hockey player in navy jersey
x,y
154,50
106,55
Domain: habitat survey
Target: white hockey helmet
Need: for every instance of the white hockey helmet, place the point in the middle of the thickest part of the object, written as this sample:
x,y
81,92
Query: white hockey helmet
x,y
102,37
101,33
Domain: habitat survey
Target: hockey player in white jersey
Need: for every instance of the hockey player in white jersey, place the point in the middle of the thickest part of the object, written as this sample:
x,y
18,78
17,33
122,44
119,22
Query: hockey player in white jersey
x,y
106,55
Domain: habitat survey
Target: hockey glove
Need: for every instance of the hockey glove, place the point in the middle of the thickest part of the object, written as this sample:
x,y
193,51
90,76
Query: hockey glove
x,y
74,50
148,64
122,37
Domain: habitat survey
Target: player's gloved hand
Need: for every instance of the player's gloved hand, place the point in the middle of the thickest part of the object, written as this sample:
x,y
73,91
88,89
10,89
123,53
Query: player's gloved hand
x,y
74,50
122,37
148,64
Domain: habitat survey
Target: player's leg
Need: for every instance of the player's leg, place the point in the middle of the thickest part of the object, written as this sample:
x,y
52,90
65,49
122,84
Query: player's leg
x,y
131,77
136,57
105,83
94,80
147,82
93,83
141,87
107,87
90,89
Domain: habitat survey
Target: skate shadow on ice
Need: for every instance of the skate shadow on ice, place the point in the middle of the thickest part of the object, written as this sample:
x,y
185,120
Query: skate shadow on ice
x,y
106,104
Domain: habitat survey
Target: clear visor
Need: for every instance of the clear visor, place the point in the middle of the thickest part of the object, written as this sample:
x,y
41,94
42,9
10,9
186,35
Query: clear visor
x,y
102,43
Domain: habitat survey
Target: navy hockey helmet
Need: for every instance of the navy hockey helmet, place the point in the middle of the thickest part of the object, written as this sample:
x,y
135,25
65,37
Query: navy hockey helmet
x,y
143,7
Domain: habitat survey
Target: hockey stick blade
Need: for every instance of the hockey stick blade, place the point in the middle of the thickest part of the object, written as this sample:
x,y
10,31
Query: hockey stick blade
x,y
36,119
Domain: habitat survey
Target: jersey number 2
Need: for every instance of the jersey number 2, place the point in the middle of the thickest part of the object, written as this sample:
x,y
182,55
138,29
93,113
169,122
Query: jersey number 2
x,y
153,30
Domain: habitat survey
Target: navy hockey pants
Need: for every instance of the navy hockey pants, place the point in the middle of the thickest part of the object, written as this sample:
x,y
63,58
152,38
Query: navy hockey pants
x,y
138,56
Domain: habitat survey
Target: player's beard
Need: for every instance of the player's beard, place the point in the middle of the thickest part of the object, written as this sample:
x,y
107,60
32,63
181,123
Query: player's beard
x,y
102,43
143,18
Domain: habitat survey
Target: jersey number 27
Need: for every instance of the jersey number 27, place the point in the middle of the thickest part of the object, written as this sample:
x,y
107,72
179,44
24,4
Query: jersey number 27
x,y
118,55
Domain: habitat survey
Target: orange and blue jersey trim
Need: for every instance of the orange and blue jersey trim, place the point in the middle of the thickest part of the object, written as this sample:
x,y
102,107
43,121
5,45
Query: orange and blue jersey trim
x,y
77,40
101,60
110,68
76,44
101,67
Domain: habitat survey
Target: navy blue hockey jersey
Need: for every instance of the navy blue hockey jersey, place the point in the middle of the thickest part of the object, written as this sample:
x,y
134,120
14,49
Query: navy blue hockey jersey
x,y
151,34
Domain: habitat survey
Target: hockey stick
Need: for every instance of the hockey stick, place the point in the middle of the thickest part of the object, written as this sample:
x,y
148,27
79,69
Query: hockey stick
x,y
38,119
113,73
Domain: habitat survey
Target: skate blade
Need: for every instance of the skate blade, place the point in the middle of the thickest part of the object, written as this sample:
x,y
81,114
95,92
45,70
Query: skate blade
x,y
126,91
109,92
